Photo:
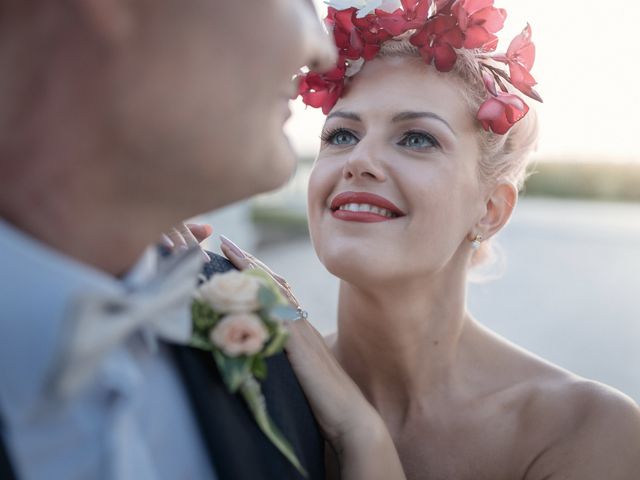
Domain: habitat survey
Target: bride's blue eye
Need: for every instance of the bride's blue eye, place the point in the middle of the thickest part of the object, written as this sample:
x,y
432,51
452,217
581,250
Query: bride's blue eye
x,y
339,136
418,140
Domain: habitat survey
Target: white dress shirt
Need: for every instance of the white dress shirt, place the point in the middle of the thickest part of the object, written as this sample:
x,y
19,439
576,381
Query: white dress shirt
x,y
132,420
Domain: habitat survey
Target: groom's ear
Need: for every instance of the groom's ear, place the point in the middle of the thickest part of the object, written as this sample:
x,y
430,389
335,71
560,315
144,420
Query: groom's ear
x,y
499,207
112,21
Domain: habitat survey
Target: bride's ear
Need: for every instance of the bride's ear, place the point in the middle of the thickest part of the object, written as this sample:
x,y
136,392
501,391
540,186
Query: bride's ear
x,y
498,209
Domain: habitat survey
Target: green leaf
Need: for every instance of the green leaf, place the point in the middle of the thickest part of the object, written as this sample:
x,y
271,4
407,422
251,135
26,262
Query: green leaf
x,y
277,341
267,298
252,393
259,368
269,283
203,316
234,370
284,312
200,341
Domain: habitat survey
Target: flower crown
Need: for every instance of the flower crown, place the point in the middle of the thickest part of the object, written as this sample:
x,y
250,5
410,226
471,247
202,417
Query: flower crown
x,y
437,28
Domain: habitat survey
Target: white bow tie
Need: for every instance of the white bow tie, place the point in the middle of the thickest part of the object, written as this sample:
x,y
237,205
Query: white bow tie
x,y
100,323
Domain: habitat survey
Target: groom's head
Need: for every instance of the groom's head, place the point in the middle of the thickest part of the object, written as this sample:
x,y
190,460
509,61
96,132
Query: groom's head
x,y
180,100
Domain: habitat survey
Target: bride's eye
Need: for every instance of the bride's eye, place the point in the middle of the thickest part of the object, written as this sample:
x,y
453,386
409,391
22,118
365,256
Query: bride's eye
x,y
418,140
339,136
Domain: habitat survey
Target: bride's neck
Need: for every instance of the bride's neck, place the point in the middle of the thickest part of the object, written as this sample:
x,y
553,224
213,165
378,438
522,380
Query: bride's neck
x,y
400,344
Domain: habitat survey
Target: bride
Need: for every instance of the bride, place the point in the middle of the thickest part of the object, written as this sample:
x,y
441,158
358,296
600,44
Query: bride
x,y
423,151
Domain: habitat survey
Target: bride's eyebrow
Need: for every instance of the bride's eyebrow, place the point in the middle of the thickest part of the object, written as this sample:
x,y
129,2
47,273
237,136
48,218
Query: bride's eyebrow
x,y
409,115
343,114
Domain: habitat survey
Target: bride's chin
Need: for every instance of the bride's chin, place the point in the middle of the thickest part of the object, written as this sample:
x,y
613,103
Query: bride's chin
x,y
356,270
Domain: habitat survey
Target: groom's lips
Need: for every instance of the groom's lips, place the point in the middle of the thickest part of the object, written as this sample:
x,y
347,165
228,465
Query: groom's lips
x,y
363,198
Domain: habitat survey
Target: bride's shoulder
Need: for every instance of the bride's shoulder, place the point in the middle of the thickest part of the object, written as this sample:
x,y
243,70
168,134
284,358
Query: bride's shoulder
x,y
585,429
578,425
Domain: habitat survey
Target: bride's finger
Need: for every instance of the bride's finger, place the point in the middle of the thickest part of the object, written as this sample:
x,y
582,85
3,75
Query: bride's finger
x,y
235,256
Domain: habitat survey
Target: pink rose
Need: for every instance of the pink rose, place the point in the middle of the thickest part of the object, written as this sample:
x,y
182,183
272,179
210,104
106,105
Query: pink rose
x,y
239,334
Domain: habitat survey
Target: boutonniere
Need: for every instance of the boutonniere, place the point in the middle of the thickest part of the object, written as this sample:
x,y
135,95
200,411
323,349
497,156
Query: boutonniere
x,y
238,317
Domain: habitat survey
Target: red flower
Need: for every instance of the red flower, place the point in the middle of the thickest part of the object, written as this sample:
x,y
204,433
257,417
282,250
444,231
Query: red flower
x,y
322,90
411,16
372,34
437,40
499,114
355,37
520,57
479,20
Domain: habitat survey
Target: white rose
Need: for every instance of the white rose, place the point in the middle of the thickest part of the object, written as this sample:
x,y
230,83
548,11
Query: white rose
x,y
231,292
239,333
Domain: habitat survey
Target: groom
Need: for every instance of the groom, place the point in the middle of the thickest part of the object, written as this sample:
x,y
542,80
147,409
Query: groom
x,y
118,119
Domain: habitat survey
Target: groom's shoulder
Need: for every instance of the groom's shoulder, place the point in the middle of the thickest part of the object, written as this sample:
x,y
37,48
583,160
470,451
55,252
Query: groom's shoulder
x,y
216,264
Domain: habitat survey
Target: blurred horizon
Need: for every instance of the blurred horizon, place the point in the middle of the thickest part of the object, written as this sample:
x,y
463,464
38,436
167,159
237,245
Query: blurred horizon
x,y
586,75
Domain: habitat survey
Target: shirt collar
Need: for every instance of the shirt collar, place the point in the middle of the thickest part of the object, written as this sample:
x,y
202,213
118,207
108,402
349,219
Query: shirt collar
x,y
39,285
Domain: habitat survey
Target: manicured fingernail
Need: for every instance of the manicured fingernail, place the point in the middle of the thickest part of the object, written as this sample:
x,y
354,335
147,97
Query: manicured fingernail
x,y
232,246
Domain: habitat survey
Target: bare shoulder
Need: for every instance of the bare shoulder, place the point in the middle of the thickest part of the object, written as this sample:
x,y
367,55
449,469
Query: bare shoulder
x,y
593,432
569,427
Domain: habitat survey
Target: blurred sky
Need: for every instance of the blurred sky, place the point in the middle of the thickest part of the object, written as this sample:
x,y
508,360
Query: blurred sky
x,y
587,67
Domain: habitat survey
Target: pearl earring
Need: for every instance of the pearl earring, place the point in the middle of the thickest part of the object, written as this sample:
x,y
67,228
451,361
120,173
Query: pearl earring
x,y
475,243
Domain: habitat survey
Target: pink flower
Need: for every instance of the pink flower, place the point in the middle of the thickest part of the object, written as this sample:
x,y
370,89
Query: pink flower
x,y
437,40
239,334
499,114
479,20
520,57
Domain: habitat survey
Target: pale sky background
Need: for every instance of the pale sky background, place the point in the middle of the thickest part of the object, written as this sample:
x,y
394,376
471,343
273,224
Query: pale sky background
x,y
588,71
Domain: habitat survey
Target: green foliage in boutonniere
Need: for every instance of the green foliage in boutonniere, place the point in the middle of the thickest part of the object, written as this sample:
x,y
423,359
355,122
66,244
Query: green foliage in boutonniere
x,y
238,316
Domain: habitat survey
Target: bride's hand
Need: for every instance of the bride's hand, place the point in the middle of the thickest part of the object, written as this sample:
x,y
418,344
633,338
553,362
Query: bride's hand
x,y
348,421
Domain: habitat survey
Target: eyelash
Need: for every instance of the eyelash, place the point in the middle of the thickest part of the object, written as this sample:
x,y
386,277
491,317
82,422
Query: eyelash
x,y
329,135
431,138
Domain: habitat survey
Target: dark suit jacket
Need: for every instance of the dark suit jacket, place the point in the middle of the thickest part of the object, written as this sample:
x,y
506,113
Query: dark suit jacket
x,y
237,448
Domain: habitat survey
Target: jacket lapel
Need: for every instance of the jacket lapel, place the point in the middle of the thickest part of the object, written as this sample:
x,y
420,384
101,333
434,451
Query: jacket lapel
x,y
6,471
237,447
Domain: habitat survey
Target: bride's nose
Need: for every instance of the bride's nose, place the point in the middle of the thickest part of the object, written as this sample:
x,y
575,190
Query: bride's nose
x,y
364,163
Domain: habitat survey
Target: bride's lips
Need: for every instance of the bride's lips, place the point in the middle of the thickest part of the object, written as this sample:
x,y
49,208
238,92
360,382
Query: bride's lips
x,y
381,204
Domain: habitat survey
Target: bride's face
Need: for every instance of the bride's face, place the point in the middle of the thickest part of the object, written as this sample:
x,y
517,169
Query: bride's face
x,y
401,148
